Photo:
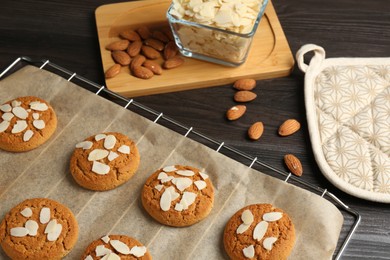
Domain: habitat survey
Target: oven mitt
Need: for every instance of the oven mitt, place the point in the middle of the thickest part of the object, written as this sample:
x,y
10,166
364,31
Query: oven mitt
x,y
348,114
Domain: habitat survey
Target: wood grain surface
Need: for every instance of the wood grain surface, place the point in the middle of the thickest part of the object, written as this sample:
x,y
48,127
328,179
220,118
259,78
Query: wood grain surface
x,y
65,32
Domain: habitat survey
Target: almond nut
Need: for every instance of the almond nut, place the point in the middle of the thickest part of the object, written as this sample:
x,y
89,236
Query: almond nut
x,y
120,45
150,52
121,57
244,84
160,36
235,112
256,130
144,32
170,50
155,44
153,66
289,127
130,35
173,63
293,164
244,96
134,48
137,61
113,71
142,72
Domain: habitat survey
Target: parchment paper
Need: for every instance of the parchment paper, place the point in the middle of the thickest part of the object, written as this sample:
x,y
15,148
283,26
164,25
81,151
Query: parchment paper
x,y
44,172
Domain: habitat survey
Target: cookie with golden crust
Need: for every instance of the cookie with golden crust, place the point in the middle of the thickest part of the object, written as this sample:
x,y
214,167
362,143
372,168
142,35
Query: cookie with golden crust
x,y
26,123
38,229
178,195
116,247
104,161
259,231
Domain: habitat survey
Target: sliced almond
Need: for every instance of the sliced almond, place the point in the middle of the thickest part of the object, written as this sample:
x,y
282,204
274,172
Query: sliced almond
x,y
53,236
162,175
101,250
249,251
105,239
4,125
6,108
189,197
203,175
269,242
178,207
44,215
200,184
260,230
89,257
7,116
242,228
100,168
26,212
174,194
39,124
182,183
272,216
85,145
99,137
32,227
38,106
16,103
125,149
51,226
186,173
165,200
112,256
120,247
20,112
112,156
159,187
19,232
138,251
97,154
35,116
19,126
169,169
247,217
109,142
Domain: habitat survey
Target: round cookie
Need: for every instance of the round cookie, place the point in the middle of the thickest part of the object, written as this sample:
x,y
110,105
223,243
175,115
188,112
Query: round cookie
x,y
38,229
26,123
259,231
104,161
178,195
115,246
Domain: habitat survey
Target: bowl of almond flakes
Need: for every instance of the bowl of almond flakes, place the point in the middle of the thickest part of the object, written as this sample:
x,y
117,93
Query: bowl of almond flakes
x,y
218,31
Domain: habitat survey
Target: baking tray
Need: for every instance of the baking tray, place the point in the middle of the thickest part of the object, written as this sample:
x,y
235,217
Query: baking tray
x,y
186,131
270,55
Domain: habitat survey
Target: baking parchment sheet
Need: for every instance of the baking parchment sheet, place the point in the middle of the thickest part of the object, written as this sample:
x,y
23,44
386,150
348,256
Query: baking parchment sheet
x,y
44,172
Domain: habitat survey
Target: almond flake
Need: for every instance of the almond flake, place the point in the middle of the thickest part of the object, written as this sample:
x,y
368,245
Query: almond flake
x,y
138,251
99,137
27,135
182,183
162,175
242,228
260,229
249,252
35,116
53,236
203,175
88,257
168,179
187,199
97,154
16,103
19,232
100,168
200,184
105,239
6,108
179,207
38,106
165,200
7,116
174,194
125,149
19,126
109,142
269,242
4,125
44,215
120,247
26,212
112,156
32,227
20,112
186,173
247,217
39,124
51,227
159,187
272,216
101,250
169,169
112,256
85,145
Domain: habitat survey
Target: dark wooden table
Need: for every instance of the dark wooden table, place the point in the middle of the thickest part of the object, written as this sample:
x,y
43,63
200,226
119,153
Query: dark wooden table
x,y
65,33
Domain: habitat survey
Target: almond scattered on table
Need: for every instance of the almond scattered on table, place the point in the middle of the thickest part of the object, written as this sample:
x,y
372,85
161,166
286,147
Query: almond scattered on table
x,y
235,112
256,130
293,164
289,127
244,96
245,84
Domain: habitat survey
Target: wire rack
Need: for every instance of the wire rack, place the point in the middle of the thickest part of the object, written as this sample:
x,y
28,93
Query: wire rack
x,y
221,146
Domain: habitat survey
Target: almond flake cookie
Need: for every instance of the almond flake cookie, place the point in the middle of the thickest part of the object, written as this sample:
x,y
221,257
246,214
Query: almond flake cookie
x,y
115,247
104,161
26,123
259,231
178,195
38,229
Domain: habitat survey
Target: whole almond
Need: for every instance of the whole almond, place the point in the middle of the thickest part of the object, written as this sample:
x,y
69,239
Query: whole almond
x,y
137,61
153,66
120,45
173,63
150,52
113,71
168,33
144,32
121,57
130,35
142,72
134,48
244,84
256,130
244,96
289,127
235,112
293,164
170,50
160,36
155,44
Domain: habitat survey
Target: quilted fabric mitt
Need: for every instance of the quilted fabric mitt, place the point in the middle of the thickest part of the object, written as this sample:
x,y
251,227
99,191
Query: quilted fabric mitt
x,y
348,112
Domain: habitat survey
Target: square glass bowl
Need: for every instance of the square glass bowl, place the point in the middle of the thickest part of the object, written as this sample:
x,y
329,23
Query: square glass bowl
x,y
212,44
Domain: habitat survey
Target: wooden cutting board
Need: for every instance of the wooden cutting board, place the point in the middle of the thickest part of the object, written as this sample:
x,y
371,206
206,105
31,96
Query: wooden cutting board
x,y
269,57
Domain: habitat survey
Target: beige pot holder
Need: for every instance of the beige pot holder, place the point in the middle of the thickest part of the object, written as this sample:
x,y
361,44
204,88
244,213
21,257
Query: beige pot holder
x,y
348,113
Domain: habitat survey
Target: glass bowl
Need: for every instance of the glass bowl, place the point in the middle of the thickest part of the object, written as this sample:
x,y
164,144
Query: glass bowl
x,y
212,43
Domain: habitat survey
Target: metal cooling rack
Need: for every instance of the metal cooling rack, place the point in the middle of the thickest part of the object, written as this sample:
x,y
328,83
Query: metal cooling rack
x,y
158,116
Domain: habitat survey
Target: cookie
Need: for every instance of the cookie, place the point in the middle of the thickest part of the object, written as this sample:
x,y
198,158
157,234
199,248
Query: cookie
x,y
38,229
104,161
26,123
259,231
178,195
116,247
